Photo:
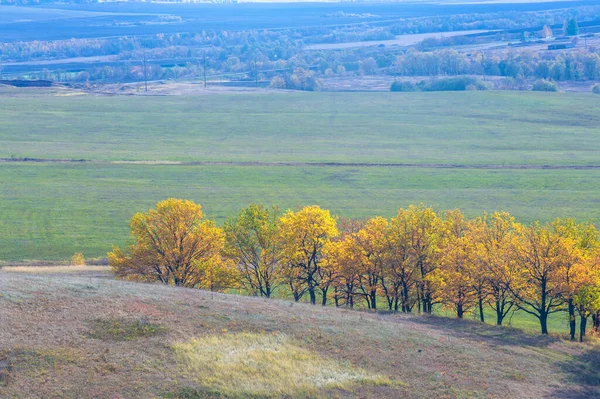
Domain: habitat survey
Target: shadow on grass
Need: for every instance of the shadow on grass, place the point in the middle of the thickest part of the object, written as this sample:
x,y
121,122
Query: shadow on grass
x,y
582,375
475,330
123,330
581,371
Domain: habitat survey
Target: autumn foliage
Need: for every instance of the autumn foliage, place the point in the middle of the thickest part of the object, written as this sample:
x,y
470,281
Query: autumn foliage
x,y
416,261
174,244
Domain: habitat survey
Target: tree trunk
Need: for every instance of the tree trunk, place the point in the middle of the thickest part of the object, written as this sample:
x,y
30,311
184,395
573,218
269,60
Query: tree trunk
x,y
459,311
313,296
405,299
572,319
373,296
427,302
324,298
296,294
582,325
544,322
596,321
543,312
499,313
349,290
481,315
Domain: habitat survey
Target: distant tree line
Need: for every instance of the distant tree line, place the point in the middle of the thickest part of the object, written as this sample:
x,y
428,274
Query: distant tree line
x,y
413,262
280,53
574,65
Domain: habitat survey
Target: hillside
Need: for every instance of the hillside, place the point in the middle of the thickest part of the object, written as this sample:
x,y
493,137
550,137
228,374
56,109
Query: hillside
x,y
77,333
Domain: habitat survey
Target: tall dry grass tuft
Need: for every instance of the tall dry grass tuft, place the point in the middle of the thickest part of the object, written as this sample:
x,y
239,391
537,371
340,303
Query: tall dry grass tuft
x,y
265,365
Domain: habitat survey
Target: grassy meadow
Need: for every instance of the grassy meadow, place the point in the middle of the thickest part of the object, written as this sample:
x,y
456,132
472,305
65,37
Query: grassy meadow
x,y
50,210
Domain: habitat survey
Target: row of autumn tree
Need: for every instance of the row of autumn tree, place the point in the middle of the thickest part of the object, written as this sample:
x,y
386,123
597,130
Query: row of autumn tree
x,y
412,262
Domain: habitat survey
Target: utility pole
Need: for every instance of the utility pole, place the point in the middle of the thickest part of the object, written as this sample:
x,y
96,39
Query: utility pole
x,y
145,75
204,68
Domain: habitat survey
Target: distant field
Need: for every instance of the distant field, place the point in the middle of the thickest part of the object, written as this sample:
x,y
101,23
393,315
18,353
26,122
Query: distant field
x,y
402,40
129,19
492,128
50,210
13,14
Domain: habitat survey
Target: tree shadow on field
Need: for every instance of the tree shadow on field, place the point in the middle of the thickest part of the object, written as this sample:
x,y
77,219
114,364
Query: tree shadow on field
x,y
582,375
475,330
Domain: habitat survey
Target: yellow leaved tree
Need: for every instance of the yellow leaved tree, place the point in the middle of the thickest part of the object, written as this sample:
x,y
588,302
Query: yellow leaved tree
x,y
424,234
492,235
455,281
575,268
251,242
540,253
372,243
175,245
303,235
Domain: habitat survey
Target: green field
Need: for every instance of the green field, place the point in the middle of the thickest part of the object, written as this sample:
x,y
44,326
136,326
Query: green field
x,y
501,128
50,210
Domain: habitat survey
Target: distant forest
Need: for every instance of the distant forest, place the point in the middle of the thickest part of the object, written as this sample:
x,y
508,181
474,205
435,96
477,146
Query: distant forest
x,y
283,58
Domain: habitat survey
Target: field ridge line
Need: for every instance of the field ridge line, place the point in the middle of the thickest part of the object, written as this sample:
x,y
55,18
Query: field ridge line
x,y
305,164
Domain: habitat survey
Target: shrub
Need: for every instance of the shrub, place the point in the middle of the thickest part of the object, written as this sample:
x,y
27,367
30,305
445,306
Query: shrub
x,y
596,88
277,83
78,259
544,85
460,83
402,86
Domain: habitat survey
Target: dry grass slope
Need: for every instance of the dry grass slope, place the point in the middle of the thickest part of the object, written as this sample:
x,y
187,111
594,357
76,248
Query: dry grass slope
x,y
185,343
265,365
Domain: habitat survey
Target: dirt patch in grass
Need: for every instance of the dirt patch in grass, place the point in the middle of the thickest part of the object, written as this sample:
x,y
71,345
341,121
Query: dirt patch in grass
x,y
266,365
123,329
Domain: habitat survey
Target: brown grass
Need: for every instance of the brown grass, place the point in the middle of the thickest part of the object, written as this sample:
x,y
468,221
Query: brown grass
x,y
265,365
70,269
46,319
